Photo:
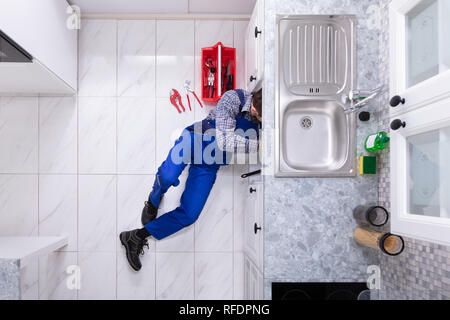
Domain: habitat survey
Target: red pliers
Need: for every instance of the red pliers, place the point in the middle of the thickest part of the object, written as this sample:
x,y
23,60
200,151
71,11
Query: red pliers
x,y
175,98
188,89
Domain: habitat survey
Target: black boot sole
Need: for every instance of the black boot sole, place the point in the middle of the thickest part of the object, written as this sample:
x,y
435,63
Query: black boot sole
x,y
127,249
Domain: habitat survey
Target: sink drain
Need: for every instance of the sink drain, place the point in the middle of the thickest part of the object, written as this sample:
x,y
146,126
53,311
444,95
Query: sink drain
x,y
306,123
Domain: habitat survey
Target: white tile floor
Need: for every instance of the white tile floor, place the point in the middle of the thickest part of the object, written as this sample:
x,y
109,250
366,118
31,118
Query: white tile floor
x,y
174,55
19,122
97,59
58,152
83,167
97,135
58,208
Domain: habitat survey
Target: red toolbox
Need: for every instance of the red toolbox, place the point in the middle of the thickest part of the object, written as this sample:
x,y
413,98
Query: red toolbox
x,y
218,71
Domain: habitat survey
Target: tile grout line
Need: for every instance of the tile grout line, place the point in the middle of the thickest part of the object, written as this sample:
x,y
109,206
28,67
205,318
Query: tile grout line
x,y
78,157
38,188
155,118
234,211
195,85
117,149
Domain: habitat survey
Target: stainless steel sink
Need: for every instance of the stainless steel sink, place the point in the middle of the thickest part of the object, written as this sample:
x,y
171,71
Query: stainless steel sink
x,y
315,68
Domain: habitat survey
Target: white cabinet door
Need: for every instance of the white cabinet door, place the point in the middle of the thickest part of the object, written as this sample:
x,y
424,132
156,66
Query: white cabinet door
x,y
253,224
254,48
251,53
250,241
258,226
253,279
420,182
259,35
420,52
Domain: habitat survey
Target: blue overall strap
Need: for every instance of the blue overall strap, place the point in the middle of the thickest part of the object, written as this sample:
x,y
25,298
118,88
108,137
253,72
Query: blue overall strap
x,y
241,96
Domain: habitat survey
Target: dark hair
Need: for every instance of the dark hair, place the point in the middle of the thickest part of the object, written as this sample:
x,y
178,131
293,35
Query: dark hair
x,y
257,101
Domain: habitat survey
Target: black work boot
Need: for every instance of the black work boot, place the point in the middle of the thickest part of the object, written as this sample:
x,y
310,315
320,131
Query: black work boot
x,y
149,212
134,246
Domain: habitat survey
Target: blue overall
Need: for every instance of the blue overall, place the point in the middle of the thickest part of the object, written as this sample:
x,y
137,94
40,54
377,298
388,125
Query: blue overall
x,y
200,180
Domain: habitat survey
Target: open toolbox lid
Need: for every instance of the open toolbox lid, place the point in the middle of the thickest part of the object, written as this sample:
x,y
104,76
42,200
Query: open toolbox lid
x,y
218,71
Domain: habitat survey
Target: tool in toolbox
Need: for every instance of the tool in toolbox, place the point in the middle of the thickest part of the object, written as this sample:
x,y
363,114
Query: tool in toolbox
x,y
225,75
188,89
175,98
230,80
209,64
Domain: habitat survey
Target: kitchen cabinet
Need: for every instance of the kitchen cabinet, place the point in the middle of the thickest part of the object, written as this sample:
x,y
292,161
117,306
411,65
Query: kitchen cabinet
x,y
253,241
420,135
254,48
43,29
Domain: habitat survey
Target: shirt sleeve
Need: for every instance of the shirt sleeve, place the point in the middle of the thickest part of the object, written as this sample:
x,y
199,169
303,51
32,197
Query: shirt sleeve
x,y
227,140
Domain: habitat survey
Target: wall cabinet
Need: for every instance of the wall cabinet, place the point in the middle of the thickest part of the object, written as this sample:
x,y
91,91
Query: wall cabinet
x,y
42,29
254,48
420,135
420,52
420,157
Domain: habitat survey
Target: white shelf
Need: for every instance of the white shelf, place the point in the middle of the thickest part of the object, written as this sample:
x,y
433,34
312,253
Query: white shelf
x,y
25,249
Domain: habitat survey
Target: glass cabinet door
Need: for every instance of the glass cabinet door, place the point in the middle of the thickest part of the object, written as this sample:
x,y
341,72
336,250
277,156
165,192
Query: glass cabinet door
x,y
419,63
427,40
420,174
428,162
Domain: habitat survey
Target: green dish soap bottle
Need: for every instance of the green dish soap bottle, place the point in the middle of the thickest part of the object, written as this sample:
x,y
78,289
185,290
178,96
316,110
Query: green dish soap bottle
x,y
377,141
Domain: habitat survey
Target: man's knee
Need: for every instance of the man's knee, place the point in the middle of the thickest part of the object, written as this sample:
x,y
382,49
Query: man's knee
x,y
169,178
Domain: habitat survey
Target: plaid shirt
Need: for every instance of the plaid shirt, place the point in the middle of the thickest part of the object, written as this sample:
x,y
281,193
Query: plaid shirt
x,y
225,115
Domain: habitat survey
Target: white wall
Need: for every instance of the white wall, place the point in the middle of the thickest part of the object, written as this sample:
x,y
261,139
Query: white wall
x,y
84,167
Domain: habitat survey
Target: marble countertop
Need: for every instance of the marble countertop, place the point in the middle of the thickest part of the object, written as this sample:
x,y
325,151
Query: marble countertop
x,y
26,249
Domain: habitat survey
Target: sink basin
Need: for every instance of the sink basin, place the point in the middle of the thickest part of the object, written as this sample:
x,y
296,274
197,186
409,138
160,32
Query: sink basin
x,y
315,67
315,135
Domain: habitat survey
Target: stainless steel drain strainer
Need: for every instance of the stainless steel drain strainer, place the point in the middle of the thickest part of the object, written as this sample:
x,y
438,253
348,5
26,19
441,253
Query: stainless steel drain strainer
x,y
306,123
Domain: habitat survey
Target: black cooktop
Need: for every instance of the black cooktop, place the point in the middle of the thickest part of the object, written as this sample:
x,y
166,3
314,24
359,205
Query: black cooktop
x,y
317,291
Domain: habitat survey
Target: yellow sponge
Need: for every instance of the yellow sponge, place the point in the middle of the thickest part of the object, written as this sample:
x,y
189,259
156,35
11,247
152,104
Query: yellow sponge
x,y
367,165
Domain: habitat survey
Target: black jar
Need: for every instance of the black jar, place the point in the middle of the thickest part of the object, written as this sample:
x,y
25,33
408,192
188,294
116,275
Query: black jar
x,y
376,216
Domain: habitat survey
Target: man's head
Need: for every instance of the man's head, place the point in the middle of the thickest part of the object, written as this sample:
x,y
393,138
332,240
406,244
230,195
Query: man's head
x,y
256,106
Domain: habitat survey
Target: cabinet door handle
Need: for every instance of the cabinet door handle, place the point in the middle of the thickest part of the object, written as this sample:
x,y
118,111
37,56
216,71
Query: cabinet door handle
x,y
252,190
246,175
252,78
256,228
396,100
257,32
397,124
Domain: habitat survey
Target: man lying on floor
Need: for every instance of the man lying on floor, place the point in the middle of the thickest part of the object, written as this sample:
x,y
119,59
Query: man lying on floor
x,y
231,128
